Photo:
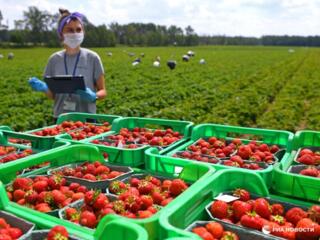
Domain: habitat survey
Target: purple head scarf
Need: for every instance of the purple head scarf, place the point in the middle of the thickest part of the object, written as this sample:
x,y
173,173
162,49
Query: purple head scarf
x,y
69,18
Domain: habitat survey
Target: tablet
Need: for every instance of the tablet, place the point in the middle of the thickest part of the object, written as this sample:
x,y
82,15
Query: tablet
x,y
65,83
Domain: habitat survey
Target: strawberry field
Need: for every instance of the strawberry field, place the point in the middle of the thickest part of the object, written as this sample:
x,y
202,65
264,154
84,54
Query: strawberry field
x,y
265,87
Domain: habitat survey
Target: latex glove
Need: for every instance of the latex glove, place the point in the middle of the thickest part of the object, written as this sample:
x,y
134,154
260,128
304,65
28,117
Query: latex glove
x,y
38,85
87,95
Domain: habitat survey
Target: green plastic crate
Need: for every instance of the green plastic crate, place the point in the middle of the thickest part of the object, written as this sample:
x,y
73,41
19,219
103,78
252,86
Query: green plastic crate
x,y
197,173
106,228
37,144
177,217
294,185
135,157
281,138
83,117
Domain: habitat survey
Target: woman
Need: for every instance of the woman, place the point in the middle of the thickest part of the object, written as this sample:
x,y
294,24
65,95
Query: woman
x,y
73,60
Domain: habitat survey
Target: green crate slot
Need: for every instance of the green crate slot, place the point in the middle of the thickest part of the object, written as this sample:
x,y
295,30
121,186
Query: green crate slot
x,y
178,217
294,185
83,117
136,157
279,137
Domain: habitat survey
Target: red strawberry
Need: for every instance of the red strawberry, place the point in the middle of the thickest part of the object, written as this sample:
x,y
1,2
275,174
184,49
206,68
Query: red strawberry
x,y
227,235
134,182
88,219
18,194
145,187
307,159
306,151
144,214
294,215
314,213
262,208
219,209
308,230
252,220
277,219
3,223
117,187
40,186
215,228
177,187
56,181
22,183
58,232
277,209
243,194
310,171
274,148
244,152
240,208
203,233
166,201
147,201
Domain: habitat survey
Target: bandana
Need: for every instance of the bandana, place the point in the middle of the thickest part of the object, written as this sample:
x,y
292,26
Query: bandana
x,y
69,18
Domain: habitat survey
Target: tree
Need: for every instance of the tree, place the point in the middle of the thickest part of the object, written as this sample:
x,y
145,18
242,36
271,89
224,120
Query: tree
x,y
37,22
1,18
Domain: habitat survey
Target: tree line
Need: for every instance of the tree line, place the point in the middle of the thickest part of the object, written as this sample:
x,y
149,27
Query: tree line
x,y
39,28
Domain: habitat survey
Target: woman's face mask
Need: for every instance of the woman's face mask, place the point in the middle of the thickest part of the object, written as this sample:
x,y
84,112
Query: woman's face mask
x,y
73,40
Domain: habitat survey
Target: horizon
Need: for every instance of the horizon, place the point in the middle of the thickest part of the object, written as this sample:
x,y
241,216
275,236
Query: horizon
x,y
237,18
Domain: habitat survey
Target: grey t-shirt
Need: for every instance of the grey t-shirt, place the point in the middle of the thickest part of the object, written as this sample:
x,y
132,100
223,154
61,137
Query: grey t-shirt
x,y
89,66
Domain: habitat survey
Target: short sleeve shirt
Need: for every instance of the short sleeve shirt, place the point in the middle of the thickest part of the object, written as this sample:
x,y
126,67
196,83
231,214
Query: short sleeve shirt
x,y
89,66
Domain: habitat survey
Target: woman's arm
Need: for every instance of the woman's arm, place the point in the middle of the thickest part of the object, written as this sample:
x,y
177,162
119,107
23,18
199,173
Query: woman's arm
x,y
101,88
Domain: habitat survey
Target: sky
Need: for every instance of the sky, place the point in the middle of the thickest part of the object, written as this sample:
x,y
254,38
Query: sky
x,y
207,17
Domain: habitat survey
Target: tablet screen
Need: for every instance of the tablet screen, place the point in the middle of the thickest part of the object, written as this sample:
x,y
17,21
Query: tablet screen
x,y
65,83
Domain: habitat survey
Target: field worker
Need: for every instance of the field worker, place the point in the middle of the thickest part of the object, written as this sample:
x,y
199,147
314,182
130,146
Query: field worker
x,y
73,60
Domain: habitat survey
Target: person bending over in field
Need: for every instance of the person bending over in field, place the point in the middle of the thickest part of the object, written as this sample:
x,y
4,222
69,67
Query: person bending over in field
x,y
73,60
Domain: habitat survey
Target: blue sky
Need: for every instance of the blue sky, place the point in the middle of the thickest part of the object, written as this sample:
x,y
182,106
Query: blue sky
x,y
229,17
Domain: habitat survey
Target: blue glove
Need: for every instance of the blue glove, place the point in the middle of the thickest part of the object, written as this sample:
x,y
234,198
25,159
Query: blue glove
x,y
87,95
38,85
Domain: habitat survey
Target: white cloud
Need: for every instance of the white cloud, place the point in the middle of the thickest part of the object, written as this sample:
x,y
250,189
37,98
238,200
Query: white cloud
x,y
230,17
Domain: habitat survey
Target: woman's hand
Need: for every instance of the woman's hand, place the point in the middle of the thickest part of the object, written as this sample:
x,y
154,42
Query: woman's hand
x,y
88,95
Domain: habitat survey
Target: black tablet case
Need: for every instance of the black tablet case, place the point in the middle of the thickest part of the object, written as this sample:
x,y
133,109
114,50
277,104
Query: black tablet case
x,y
65,83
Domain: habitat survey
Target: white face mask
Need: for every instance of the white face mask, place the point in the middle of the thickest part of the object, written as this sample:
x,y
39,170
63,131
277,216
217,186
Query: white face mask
x,y
73,40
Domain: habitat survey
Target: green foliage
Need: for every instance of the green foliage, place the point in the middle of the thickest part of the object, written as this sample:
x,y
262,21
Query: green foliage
x,y
264,87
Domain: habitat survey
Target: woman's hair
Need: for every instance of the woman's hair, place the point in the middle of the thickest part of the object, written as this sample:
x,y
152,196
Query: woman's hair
x,y
66,17
63,13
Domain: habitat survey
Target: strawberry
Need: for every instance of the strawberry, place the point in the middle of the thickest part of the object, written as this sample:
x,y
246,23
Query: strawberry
x,y
244,152
22,183
262,208
252,220
88,219
294,215
144,214
305,151
314,213
157,197
147,201
40,186
58,233
145,187
308,229
58,197
134,182
310,171
177,187
3,223
243,194
227,235
56,181
307,159
220,209
277,209
117,187
203,233
240,208
43,207
166,201
215,228
18,194
277,219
